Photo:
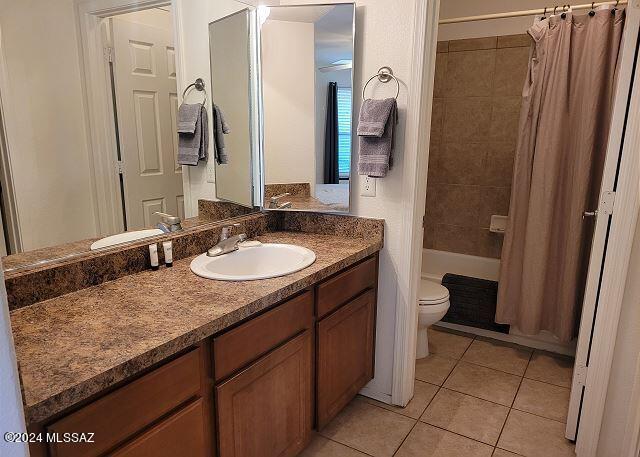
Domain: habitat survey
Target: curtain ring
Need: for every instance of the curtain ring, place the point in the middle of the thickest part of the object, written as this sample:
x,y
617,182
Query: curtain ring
x,y
592,12
544,14
564,14
554,9
613,10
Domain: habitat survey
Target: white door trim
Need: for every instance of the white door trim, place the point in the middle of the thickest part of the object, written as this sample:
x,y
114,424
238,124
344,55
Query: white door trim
x,y
99,107
616,263
414,188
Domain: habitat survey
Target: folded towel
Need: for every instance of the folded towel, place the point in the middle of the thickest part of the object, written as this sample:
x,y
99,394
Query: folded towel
x,y
220,128
193,146
376,127
187,117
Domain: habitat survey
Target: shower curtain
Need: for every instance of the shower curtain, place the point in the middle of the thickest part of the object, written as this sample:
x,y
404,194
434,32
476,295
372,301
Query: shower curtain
x,y
564,126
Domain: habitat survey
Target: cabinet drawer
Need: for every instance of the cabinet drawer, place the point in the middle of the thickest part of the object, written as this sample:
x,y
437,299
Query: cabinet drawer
x,y
181,434
339,289
345,355
244,344
266,409
118,415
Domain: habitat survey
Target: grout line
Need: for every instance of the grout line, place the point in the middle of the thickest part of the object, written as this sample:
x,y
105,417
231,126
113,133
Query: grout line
x,y
537,415
416,422
459,434
346,445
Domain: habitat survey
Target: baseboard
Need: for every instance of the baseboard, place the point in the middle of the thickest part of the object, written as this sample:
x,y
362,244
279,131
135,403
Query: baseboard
x,y
376,395
558,348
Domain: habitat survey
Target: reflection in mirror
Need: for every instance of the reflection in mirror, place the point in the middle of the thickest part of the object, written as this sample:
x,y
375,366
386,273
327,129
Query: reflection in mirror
x,y
230,70
89,151
306,76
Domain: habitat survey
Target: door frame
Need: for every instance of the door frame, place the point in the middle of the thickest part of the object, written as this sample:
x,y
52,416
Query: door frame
x,y
99,106
414,190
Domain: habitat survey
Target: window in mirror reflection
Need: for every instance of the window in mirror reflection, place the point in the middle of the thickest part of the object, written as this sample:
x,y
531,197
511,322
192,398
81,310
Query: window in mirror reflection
x,y
306,75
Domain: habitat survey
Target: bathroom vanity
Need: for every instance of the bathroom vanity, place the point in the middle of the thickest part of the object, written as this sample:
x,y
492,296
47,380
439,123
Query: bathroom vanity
x,y
167,363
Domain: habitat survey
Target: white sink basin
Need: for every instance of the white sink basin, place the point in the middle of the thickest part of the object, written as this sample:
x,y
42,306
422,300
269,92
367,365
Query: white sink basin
x,y
268,260
124,238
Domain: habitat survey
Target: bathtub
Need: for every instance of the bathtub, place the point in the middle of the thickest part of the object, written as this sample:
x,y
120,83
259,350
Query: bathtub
x,y
435,264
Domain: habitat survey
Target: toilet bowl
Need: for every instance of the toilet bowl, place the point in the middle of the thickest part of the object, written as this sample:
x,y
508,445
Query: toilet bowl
x,y
433,304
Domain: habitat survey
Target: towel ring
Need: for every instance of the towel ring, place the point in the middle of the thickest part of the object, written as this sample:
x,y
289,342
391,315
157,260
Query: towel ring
x,y
384,75
198,84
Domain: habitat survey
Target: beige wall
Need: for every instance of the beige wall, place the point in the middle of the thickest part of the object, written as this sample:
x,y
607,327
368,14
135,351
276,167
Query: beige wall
x,y
288,88
46,124
474,130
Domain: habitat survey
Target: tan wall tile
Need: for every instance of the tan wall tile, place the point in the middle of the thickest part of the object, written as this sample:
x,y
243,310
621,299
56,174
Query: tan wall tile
x,y
493,200
505,117
488,244
439,82
443,46
498,165
470,73
467,119
471,44
456,205
512,41
462,163
452,238
437,119
512,65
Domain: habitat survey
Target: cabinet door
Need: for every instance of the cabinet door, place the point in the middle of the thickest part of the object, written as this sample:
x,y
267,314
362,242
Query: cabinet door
x,y
266,409
180,434
345,355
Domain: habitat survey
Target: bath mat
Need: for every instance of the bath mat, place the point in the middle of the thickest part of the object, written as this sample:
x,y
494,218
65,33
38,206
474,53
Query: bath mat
x,y
473,302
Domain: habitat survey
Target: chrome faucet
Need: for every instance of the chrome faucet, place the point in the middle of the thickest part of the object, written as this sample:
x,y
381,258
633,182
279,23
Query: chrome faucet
x,y
274,202
227,243
169,223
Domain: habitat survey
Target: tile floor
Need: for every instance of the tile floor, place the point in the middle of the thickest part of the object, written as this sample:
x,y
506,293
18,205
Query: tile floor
x,y
474,397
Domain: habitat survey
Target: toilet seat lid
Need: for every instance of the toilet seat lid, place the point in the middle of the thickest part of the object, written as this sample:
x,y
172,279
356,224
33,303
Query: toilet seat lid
x,y
432,293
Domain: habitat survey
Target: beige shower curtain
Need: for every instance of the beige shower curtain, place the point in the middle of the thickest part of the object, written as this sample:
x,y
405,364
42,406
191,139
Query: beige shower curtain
x,y
564,126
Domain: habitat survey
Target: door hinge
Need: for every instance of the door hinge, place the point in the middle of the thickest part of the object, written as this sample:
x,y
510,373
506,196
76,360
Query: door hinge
x,y
120,167
607,202
108,53
580,374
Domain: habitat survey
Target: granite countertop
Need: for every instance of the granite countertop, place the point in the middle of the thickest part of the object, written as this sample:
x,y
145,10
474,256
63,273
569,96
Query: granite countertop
x,y
72,347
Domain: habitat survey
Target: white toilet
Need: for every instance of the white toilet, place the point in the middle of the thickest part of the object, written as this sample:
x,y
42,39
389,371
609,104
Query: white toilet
x,y
433,304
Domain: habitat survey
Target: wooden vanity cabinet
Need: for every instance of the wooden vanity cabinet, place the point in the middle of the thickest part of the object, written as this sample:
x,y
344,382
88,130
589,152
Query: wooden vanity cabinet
x,y
266,407
264,383
345,337
167,408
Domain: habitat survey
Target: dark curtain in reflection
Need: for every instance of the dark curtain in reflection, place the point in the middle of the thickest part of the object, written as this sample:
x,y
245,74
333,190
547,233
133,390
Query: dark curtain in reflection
x,y
331,175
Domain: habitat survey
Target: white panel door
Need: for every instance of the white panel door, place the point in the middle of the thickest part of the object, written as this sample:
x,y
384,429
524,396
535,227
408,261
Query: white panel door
x,y
147,103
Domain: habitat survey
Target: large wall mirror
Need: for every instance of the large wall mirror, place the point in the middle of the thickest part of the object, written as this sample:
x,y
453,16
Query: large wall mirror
x,y
89,120
230,41
306,75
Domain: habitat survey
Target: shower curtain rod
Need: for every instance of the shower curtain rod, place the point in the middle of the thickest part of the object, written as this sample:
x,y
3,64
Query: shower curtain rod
x,y
548,10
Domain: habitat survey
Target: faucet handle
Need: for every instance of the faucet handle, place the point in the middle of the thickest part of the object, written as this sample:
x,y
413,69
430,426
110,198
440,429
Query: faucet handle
x,y
226,231
168,218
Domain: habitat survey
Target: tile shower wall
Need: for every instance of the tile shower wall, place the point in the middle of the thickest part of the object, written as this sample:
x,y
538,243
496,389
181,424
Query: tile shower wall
x,y
474,129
